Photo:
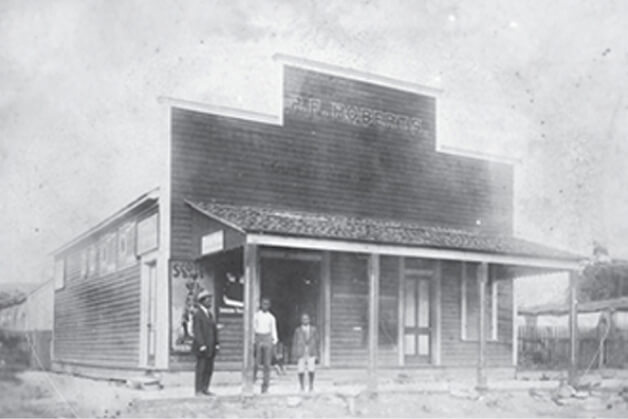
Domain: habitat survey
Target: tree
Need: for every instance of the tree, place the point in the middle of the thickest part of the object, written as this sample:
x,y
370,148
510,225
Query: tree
x,y
603,278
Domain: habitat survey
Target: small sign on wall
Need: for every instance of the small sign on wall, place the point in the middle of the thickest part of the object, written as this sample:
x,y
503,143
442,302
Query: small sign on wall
x,y
212,242
187,279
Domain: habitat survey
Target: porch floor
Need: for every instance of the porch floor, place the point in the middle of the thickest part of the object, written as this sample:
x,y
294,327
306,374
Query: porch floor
x,y
332,380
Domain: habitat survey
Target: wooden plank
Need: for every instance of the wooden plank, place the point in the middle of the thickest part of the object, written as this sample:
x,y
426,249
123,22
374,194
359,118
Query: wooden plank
x,y
373,321
482,274
326,291
419,272
100,312
290,255
251,281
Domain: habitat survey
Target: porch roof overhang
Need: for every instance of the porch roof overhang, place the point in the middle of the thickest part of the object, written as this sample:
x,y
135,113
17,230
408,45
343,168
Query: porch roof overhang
x,y
322,231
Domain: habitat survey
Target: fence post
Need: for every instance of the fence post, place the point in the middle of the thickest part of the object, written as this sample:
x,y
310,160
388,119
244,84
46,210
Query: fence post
x,y
573,328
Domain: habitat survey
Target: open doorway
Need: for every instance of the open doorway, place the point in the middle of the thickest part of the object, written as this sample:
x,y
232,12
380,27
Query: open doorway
x,y
293,287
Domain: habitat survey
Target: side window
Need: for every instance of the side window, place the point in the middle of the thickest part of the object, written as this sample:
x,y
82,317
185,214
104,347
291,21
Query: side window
x,y
107,253
84,263
126,245
59,273
147,234
92,260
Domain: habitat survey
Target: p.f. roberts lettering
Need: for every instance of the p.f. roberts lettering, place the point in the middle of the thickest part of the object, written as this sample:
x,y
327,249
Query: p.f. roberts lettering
x,y
316,108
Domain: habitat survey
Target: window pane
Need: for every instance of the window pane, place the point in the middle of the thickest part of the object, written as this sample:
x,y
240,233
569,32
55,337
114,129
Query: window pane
x,y
409,344
424,344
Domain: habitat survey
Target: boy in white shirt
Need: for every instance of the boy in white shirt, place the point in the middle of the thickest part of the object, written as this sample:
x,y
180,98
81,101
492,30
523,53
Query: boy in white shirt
x,y
265,327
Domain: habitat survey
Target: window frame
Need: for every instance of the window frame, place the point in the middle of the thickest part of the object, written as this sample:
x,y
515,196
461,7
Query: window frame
x,y
59,272
126,233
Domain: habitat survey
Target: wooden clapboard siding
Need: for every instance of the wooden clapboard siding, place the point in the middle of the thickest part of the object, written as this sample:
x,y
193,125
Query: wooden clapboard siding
x,y
349,310
231,336
505,301
96,316
457,352
333,167
97,319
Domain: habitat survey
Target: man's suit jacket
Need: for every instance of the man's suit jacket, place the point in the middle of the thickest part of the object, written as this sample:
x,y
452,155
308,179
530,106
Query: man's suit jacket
x,y
205,334
300,342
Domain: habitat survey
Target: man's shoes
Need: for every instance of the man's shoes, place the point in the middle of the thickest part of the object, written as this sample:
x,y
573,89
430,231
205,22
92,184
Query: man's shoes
x,y
208,393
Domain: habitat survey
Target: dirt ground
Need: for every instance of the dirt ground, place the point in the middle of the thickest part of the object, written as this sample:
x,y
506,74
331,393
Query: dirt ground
x,y
36,394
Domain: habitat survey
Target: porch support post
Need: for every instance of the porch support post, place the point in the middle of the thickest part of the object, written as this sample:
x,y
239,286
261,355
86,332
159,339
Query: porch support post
x,y
373,320
326,284
515,327
573,328
401,312
436,313
482,281
251,283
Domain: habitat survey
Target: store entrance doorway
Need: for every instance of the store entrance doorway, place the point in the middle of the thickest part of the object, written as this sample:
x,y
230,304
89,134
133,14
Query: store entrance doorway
x,y
293,286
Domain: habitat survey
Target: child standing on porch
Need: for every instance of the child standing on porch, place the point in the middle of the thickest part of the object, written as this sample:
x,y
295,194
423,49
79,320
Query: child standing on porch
x,y
305,350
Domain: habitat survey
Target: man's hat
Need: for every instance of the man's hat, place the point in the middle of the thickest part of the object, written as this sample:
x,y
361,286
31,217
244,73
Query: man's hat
x,y
203,294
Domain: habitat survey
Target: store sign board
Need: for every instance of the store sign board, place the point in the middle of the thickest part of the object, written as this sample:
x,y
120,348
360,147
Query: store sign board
x,y
329,100
323,109
213,242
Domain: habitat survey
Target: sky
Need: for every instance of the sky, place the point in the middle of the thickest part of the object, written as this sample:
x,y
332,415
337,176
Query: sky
x,y
82,132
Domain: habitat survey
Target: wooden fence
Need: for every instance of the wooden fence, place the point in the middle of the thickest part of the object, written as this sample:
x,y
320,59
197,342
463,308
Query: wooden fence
x,y
548,347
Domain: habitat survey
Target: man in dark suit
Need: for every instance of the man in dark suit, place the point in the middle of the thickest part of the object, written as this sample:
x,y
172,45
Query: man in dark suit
x,y
205,345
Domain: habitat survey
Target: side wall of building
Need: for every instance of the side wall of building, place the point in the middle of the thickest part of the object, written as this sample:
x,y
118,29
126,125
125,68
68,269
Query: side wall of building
x,y
97,312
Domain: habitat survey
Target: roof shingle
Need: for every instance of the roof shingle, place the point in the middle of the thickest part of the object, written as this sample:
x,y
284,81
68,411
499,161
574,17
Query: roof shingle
x,y
331,226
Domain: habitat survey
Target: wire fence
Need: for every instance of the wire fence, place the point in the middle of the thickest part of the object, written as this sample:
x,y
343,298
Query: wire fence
x,y
549,348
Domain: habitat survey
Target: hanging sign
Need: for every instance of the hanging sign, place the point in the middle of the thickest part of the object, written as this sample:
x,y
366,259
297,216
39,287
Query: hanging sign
x,y
213,243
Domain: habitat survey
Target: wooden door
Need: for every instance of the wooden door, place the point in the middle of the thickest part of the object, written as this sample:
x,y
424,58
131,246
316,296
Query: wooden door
x,y
417,318
151,313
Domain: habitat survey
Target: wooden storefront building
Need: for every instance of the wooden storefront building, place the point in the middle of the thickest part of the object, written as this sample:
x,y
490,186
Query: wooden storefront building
x,y
343,206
